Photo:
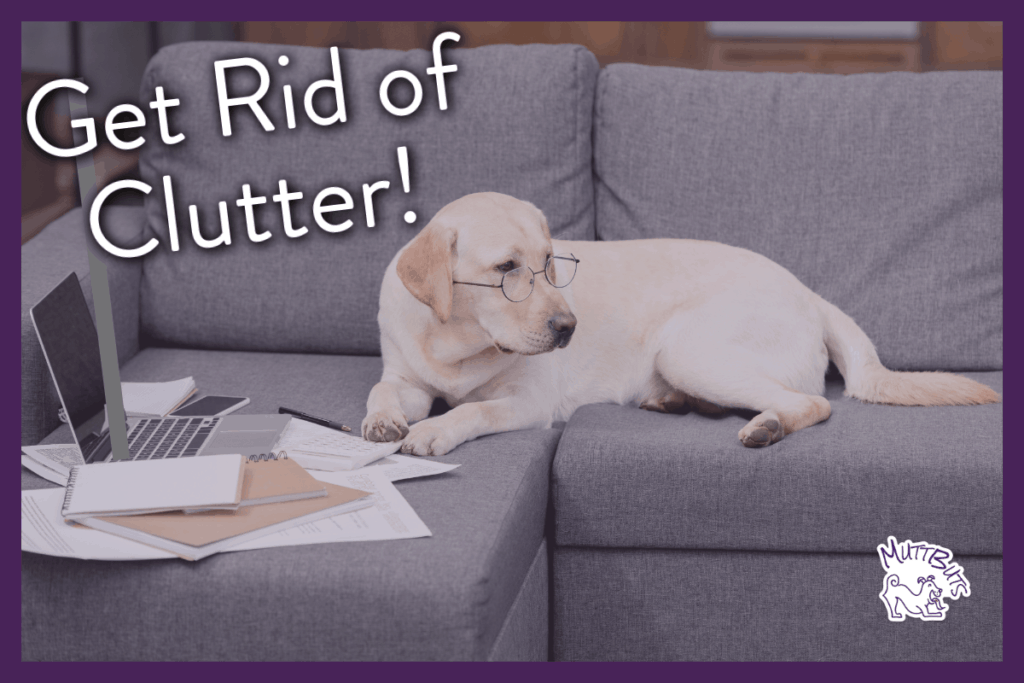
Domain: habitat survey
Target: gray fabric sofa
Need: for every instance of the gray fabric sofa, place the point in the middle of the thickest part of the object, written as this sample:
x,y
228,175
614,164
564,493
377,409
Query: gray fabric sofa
x,y
883,193
621,534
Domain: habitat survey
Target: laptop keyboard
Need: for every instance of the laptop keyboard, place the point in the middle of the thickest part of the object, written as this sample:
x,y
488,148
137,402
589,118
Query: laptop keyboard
x,y
155,439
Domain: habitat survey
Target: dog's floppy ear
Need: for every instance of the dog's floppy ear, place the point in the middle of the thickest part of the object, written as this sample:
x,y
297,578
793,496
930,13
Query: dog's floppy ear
x,y
425,268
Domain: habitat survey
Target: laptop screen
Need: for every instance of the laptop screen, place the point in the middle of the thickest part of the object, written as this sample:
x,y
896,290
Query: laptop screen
x,y
68,337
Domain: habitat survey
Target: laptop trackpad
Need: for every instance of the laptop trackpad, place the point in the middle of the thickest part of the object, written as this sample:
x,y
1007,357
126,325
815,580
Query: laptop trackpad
x,y
246,434
244,442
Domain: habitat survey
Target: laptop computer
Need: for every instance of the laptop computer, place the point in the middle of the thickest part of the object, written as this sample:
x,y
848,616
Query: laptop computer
x,y
70,344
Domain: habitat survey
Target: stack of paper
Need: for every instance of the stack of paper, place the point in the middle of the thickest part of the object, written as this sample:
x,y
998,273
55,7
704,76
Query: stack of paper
x,y
387,516
196,507
195,536
155,399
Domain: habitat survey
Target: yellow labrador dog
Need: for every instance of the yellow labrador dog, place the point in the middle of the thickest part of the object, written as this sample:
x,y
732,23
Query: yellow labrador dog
x,y
479,309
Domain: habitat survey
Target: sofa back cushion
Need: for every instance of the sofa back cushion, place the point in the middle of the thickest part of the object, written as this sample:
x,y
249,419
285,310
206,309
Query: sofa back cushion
x,y
518,122
881,192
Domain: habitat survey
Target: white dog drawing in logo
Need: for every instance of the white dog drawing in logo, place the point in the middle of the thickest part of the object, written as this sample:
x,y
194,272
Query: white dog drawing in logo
x,y
925,604
932,568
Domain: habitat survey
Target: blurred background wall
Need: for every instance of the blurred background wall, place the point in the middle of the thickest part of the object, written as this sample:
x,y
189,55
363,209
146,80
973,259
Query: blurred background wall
x,y
111,58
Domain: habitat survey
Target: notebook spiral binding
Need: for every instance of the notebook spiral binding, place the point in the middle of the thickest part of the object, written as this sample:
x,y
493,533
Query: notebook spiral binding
x,y
280,455
70,489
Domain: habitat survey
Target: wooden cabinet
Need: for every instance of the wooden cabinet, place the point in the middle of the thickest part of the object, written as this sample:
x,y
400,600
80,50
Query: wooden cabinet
x,y
963,44
819,56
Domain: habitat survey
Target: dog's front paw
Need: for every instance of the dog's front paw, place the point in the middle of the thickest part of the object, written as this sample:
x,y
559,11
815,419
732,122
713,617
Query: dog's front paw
x,y
429,437
381,426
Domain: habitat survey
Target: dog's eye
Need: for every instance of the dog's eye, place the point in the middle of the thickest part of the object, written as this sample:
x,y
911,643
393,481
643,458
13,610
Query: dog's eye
x,y
507,266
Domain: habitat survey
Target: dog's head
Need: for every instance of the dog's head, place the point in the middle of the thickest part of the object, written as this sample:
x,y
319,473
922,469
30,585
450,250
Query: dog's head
x,y
477,239
928,588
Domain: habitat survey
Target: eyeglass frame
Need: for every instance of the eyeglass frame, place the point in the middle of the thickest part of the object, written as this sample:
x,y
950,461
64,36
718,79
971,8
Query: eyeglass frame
x,y
570,257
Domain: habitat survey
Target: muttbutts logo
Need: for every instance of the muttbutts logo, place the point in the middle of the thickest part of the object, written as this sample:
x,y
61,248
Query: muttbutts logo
x,y
918,578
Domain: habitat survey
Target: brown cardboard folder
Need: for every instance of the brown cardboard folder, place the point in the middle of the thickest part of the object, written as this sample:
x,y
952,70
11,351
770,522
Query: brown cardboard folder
x,y
196,535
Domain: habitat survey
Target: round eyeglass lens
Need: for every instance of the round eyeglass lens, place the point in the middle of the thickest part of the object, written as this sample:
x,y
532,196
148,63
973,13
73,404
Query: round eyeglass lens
x,y
560,270
517,284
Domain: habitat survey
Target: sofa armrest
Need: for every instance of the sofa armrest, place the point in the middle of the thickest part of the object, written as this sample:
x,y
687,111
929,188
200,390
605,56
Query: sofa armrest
x,y
46,259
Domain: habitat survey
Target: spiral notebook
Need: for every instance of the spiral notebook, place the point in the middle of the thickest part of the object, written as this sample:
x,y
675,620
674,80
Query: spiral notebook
x,y
136,487
197,535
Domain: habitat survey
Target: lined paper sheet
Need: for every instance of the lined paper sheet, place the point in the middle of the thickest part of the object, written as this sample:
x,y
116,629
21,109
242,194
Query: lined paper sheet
x,y
44,531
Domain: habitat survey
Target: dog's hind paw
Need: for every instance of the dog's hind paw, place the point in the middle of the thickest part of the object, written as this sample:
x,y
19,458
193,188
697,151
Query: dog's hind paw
x,y
762,431
383,427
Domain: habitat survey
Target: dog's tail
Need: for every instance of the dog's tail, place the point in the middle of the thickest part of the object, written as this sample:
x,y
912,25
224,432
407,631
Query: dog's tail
x,y
867,379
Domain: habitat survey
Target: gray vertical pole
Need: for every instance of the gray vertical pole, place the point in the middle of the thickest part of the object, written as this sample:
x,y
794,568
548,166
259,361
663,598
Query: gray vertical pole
x,y
87,189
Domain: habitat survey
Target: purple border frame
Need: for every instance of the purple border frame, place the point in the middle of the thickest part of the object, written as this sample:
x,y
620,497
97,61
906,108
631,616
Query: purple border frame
x,y
11,274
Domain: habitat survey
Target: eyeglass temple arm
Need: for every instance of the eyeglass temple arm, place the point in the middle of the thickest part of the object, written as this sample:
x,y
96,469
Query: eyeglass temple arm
x,y
476,284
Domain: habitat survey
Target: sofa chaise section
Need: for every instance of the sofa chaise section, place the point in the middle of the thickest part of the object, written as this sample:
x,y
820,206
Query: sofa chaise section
x,y
673,541
476,589
883,194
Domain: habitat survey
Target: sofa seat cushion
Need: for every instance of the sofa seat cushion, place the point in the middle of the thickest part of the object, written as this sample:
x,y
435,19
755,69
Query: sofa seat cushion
x,y
441,597
518,121
881,192
625,477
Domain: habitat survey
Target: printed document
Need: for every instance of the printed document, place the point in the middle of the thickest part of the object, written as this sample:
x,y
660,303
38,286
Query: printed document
x,y
399,467
52,462
44,531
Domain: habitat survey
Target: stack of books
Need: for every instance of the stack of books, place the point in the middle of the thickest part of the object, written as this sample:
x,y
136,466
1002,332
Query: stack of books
x,y
195,507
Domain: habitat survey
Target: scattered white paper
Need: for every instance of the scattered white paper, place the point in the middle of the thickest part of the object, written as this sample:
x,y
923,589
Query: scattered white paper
x,y
324,463
44,531
390,518
64,455
44,471
58,458
399,467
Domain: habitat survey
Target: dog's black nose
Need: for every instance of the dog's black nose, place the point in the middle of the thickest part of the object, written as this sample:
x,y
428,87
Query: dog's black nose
x,y
562,326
